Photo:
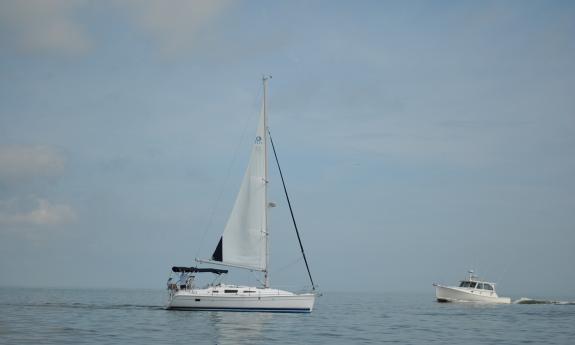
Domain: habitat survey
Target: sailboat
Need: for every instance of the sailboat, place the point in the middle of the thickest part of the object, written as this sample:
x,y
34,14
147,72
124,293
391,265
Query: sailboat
x,y
244,244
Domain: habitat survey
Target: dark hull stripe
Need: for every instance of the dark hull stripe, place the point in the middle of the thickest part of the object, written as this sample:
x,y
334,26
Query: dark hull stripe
x,y
268,310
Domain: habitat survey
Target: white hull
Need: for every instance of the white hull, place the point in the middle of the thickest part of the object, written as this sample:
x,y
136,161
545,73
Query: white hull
x,y
264,300
457,294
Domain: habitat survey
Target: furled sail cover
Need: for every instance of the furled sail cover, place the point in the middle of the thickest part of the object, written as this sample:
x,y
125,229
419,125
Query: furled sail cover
x,y
244,240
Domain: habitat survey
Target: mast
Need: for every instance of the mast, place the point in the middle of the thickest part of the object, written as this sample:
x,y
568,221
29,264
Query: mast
x,y
266,271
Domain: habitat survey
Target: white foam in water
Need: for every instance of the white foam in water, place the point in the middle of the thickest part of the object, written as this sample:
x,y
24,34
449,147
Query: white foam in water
x,y
525,300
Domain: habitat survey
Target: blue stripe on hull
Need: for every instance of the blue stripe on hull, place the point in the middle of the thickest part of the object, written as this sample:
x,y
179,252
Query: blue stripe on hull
x,y
268,310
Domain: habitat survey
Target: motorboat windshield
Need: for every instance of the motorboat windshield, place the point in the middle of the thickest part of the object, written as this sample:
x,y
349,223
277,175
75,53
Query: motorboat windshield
x,y
477,285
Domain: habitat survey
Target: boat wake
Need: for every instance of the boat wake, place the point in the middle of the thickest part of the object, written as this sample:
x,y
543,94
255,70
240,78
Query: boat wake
x,y
525,300
85,306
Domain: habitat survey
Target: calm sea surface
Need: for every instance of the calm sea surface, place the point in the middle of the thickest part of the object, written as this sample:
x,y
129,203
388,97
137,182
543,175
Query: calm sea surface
x,y
75,316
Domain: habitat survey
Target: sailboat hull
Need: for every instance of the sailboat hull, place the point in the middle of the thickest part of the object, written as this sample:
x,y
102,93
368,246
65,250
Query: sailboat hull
x,y
260,300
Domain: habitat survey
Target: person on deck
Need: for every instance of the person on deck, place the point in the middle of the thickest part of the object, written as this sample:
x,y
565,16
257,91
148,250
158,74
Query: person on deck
x,y
183,280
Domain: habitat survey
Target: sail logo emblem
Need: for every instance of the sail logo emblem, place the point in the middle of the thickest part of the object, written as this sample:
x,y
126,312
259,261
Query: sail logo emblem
x,y
258,140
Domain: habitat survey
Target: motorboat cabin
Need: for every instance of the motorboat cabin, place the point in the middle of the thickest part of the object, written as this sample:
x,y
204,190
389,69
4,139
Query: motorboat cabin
x,y
477,285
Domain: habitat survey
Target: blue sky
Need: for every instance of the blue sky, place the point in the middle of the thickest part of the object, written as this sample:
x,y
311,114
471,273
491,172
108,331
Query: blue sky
x,y
418,139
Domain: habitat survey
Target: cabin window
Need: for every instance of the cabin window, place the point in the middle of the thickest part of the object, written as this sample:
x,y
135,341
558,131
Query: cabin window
x,y
465,284
480,286
488,287
215,291
461,284
472,285
248,291
231,291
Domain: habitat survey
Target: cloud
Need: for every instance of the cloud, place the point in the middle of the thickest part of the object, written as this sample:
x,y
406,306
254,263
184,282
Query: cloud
x,y
176,25
25,162
41,213
25,169
42,26
53,26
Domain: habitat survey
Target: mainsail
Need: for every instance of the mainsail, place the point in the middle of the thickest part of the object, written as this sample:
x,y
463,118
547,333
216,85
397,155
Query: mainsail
x,y
243,242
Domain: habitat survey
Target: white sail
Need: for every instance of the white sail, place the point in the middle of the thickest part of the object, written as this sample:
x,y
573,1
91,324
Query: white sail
x,y
243,242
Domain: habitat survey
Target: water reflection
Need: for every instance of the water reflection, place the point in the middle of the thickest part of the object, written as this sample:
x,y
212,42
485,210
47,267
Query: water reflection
x,y
235,328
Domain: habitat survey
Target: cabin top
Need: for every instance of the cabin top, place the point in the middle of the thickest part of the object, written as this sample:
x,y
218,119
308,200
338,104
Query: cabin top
x,y
477,285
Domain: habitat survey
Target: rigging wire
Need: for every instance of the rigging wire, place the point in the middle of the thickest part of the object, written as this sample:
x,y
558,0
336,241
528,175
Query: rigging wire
x,y
256,277
291,210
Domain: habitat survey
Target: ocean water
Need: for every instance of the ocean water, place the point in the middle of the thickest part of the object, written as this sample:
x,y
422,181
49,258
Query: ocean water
x,y
122,316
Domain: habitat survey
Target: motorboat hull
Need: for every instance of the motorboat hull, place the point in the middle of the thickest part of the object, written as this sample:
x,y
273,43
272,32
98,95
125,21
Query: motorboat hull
x,y
456,294
264,300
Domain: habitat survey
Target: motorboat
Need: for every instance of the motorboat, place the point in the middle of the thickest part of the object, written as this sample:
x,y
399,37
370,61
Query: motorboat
x,y
471,289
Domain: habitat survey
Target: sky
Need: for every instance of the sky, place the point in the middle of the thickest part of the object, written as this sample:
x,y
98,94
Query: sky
x,y
418,140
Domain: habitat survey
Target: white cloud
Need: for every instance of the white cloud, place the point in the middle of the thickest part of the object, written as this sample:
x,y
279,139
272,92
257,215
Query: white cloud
x,y
177,24
53,26
42,213
24,162
28,168
42,26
